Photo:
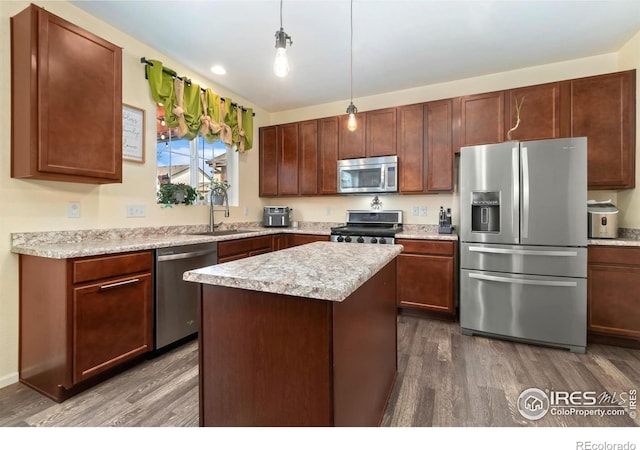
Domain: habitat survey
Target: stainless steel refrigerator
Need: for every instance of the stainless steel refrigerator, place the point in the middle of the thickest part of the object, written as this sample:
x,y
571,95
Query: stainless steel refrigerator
x,y
523,233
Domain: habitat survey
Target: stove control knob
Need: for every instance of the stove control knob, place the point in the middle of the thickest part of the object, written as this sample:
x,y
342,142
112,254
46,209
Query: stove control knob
x,y
374,240
347,239
383,241
340,239
360,240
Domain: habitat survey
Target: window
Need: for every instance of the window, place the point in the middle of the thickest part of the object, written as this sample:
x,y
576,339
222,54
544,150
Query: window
x,y
194,162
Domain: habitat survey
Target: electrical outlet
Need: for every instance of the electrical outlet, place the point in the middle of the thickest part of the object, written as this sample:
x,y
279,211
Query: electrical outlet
x,y
328,211
423,211
246,211
73,210
416,211
136,210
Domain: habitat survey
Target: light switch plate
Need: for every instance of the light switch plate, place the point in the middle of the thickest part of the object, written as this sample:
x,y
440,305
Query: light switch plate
x,y
136,210
416,211
423,211
73,210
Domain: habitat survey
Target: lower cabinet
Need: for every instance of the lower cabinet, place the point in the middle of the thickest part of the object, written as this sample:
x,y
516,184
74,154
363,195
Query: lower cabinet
x,y
82,317
301,239
426,275
242,248
613,292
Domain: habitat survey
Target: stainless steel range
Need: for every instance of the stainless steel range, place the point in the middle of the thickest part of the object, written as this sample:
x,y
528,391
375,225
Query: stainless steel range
x,y
369,227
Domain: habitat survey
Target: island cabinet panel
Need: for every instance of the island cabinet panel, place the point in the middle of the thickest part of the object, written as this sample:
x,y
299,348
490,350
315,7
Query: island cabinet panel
x,y
603,110
481,119
269,154
427,276
542,112
381,132
308,149
75,333
54,63
439,145
277,360
352,144
411,149
242,248
328,154
613,294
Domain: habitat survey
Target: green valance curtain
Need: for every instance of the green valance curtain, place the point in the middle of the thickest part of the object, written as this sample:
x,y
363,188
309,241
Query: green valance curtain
x,y
195,111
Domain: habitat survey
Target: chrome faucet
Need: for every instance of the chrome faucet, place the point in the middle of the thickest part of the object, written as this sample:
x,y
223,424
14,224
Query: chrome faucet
x,y
225,203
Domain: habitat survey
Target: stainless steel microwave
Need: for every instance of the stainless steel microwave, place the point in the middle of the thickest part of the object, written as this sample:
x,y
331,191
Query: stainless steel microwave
x,y
363,175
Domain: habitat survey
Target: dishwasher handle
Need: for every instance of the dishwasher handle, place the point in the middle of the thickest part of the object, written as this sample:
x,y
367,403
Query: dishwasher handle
x,y
186,255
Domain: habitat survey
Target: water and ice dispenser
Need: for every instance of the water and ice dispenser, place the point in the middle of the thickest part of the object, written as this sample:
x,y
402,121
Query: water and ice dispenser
x,y
485,212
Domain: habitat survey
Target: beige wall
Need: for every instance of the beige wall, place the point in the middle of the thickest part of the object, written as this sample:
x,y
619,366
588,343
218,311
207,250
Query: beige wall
x,y
39,206
42,205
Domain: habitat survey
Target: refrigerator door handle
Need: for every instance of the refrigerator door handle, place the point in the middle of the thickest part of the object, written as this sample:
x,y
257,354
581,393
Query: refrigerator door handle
x,y
525,193
515,176
479,276
508,251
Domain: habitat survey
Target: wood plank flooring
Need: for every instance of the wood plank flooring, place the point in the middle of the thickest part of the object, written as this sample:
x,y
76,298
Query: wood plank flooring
x,y
444,379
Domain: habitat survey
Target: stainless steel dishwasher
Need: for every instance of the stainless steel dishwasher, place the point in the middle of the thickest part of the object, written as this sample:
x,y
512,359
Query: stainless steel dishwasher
x,y
176,305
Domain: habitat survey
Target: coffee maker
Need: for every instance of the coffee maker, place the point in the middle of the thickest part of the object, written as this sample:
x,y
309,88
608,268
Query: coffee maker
x,y
444,222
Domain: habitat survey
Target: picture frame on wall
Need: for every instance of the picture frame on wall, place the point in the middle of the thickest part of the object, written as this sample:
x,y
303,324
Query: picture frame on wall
x,y
133,126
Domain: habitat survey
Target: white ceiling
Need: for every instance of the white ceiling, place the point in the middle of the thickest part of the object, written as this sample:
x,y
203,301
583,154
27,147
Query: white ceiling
x,y
398,44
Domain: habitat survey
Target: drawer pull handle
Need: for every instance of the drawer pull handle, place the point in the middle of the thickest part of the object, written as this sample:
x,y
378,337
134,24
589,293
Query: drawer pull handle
x,y
121,283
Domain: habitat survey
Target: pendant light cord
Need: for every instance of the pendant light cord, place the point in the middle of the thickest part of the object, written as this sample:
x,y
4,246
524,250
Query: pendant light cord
x,y
351,53
281,14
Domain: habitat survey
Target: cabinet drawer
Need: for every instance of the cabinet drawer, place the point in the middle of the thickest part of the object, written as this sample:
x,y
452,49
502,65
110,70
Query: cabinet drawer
x,y
239,246
427,247
100,267
628,256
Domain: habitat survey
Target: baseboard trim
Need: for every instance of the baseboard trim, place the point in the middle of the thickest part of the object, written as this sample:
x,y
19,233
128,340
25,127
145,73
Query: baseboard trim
x,y
8,379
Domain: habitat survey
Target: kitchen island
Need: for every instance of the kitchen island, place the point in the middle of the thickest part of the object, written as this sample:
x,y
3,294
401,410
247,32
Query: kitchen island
x,y
300,337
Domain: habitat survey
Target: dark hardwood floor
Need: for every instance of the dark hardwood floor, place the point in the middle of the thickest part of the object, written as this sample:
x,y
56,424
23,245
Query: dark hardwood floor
x,y
444,379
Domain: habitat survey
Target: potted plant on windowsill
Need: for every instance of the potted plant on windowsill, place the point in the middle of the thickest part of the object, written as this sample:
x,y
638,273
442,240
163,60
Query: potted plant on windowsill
x,y
174,194
219,188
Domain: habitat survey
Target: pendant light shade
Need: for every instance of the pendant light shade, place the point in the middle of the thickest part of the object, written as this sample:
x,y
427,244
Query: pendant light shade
x,y
352,124
281,63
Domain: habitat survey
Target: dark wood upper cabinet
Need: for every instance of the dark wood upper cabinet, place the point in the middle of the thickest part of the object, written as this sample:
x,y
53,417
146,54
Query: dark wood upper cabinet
x,y
351,144
541,115
328,154
308,146
411,150
439,145
603,109
66,104
481,119
268,161
288,159
381,132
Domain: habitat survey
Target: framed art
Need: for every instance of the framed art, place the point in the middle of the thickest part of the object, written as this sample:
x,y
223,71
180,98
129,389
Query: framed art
x,y
132,133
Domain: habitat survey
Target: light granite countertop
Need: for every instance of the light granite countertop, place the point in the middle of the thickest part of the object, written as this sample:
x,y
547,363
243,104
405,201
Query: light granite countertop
x,y
624,242
320,270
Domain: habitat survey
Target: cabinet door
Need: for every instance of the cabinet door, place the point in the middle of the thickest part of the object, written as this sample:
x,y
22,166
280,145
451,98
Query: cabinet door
x,y
411,150
328,153
301,239
68,126
603,110
439,145
482,119
613,294
352,143
112,323
288,159
426,282
381,132
308,176
269,161
540,113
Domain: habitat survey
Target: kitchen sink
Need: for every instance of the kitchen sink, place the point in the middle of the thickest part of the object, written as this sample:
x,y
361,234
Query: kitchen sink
x,y
222,232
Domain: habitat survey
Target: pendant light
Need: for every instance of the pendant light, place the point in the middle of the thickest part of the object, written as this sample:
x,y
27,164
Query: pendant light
x,y
352,125
281,64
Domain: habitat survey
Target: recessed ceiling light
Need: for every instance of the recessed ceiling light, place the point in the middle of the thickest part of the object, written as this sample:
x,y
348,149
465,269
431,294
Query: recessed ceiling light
x,y
218,70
